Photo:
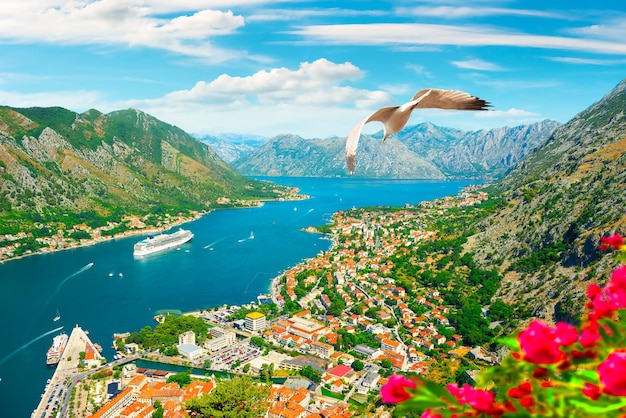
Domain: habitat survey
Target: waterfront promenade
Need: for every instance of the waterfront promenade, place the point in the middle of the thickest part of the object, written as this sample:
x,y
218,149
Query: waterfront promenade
x,y
58,389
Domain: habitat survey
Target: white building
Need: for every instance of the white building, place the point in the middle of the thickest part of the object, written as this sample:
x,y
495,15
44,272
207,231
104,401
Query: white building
x,y
191,351
188,337
255,321
223,341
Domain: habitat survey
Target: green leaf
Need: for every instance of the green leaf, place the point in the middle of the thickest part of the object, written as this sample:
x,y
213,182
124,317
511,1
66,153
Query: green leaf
x,y
594,408
510,342
438,390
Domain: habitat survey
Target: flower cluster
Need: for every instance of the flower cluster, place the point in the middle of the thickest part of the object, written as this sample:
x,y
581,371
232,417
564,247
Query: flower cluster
x,y
559,371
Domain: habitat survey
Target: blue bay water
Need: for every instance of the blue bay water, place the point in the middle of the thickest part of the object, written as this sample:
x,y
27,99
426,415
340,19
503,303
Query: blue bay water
x,y
119,293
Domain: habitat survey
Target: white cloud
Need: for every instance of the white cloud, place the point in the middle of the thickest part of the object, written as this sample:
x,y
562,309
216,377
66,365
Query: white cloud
x,y
432,34
419,69
511,113
587,61
307,101
118,22
271,15
613,29
452,12
477,64
316,83
77,100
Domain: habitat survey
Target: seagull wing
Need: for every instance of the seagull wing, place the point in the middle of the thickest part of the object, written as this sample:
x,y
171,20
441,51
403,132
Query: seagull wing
x,y
394,118
383,115
391,119
448,99
352,143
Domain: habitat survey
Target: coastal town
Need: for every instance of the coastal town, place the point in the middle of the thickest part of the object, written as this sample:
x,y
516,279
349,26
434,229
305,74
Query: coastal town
x,y
331,331
64,236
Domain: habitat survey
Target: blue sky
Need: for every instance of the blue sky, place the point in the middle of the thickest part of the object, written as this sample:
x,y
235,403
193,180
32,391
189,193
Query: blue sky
x,y
311,68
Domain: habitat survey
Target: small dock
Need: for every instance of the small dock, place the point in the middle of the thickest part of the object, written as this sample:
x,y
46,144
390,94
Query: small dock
x,y
57,393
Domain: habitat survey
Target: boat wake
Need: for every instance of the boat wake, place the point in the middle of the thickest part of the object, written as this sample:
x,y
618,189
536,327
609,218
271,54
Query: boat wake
x,y
246,239
58,288
17,350
76,273
212,243
301,216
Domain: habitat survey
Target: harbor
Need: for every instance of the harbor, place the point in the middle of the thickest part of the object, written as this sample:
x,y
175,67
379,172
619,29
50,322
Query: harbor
x,y
127,292
69,371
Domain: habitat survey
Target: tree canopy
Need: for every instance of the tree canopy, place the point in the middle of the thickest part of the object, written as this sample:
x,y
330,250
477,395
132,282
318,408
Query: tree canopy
x,y
239,397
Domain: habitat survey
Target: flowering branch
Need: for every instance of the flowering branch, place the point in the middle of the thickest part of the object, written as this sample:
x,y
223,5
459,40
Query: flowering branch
x,y
553,371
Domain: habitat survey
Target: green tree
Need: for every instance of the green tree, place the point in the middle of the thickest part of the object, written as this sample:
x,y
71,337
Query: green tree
x,y
500,310
358,365
158,413
239,397
183,378
171,351
311,373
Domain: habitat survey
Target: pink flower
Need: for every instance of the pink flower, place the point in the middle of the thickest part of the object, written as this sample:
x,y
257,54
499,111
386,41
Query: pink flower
x,y
480,400
602,306
590,334
591,391
520,391
394,390
566,334
429,414
593,290
615,289
604,302
614,241
618,277
612,372
541,343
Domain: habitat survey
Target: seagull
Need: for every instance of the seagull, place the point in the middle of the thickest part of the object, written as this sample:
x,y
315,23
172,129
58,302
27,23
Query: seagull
x,y
395,117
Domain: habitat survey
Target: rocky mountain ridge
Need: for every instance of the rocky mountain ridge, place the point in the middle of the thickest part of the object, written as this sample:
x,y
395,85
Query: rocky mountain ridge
x,y
558,202
421,151
231,147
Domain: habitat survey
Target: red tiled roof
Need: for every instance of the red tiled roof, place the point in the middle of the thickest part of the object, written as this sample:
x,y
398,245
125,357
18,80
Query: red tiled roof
x,y
340,371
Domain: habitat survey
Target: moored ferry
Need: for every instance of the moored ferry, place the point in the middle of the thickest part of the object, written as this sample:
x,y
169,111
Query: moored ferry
x,y
161,242
53,356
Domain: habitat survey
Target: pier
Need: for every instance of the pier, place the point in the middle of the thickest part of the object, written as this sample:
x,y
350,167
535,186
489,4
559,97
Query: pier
x,y
58,390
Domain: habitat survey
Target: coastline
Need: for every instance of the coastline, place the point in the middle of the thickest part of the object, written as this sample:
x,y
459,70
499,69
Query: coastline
x,y
174,299
274,286
143,231
94,241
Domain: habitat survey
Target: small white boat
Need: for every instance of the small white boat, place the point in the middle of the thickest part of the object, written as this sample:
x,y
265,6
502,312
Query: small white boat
x,y
56,318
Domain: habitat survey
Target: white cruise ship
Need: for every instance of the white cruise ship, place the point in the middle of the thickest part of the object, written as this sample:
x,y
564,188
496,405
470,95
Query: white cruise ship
x,y
53,356
162,242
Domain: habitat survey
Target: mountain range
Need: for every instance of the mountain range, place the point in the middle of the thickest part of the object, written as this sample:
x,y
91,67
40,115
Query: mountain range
x,y
562,186
421,151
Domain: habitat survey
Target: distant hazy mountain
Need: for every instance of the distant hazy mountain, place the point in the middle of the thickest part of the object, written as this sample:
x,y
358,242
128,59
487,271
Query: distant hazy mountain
x,y
231,147
487,153
421,151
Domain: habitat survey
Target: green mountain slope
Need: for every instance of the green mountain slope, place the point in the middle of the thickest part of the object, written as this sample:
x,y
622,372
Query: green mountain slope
x,y
95,166
558,202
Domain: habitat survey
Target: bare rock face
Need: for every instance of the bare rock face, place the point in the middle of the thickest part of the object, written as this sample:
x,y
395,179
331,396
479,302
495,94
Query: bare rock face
x,y
557,203
421,151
